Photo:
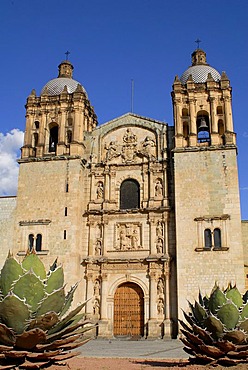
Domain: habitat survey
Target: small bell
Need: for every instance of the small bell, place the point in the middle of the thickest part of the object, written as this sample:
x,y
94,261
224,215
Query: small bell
x,y
203,125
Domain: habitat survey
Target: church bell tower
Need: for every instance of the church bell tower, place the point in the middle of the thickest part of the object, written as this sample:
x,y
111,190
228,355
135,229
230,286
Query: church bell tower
x,y
207,205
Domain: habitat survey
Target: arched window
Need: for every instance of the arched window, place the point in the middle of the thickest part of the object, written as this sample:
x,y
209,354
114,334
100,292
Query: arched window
x,y
30,241
130,194
207,239
217,238
36,124
53,140
38,242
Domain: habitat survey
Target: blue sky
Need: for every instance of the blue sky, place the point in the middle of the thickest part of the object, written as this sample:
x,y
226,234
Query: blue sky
x,y
112,42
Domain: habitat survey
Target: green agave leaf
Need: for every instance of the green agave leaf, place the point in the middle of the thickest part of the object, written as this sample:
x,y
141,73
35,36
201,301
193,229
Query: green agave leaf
x,y
200,298
68,300
33,262
11,272
30,288
235,296
216,300
199,313
229,315
14,313
244,313
55,280
52,302
62,324
214,326
244,326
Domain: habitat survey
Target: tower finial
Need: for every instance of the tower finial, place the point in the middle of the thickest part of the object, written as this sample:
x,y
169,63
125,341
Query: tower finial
x,y
198,42
67,55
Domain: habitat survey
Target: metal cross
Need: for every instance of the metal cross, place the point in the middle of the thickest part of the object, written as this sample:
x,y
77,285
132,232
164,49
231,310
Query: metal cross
x,y
198,42
67,54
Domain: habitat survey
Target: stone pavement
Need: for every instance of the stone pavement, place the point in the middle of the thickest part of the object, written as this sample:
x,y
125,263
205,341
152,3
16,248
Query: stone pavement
x,y
128,348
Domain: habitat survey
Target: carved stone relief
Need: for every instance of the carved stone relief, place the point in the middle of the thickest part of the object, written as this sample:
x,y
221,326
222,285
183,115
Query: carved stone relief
x,y
130,149
128,236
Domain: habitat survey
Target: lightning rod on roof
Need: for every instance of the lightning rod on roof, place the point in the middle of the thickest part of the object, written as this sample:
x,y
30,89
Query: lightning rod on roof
x,y
132,94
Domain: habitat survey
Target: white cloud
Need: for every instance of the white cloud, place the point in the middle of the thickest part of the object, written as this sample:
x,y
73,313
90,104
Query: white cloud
x,y
10,145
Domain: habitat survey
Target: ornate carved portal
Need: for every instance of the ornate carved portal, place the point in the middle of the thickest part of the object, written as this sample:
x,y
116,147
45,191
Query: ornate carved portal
x,y
128,236
129,310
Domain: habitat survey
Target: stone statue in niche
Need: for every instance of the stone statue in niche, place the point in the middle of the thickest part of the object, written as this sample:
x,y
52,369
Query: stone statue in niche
x,y
158,188
99,190
97,288
112,150
98,247
128,237
160,287
96,307
160,306
160,245
159,229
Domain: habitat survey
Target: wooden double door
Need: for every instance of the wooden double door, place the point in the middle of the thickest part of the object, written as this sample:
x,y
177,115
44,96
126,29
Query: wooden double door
x,y
129,310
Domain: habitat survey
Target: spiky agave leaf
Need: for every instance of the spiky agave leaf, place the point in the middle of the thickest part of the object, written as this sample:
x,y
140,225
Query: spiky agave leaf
x,y
30,288
32,261
218,331
14,313
10,272
32,333
55,280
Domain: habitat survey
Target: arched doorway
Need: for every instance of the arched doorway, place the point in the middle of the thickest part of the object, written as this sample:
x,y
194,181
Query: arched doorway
x,y
129,310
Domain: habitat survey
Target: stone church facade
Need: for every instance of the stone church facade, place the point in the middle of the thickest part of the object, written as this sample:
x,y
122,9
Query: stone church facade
x,y
141,213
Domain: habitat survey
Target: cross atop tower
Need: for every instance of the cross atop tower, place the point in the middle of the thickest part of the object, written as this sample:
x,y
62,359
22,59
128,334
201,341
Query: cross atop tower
x,y
67,55
198,42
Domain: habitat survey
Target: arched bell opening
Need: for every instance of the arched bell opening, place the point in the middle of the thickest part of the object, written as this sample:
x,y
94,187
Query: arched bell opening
x,y
203,128
53,138
186,133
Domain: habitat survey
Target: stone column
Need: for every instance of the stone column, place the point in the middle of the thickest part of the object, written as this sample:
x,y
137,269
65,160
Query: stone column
x,y
103,324
152,238
89,291
228,113
154,330
167,321
106,185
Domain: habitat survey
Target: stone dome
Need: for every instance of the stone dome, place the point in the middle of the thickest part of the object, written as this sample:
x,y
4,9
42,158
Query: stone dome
x,y
199,69
200,74
57,85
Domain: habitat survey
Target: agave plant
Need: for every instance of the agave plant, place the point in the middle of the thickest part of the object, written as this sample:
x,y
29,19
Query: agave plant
x,y
35,328
217,327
